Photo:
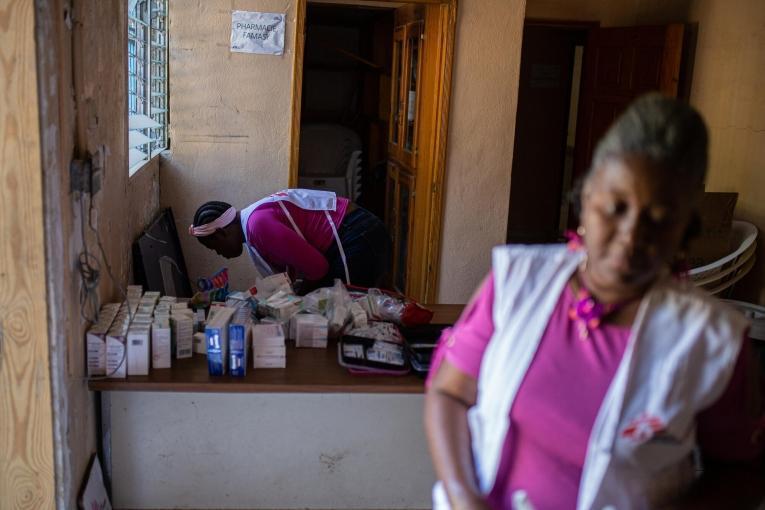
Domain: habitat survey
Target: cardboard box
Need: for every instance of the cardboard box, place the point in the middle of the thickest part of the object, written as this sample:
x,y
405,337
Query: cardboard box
x,y
182,327
267,334
216,334
138,353
311,330
269,362
716,212
116,352
161,344
239,338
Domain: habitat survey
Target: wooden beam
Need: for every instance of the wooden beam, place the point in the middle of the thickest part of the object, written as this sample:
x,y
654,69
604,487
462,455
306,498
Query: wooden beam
x,y
26,416
297,92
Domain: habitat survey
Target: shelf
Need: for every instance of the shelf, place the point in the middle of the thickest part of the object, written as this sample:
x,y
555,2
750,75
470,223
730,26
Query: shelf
x,y
308,371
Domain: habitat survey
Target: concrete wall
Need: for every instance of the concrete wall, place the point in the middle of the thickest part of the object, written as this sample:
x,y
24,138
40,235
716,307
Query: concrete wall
x,y
727,87
231,116
83,102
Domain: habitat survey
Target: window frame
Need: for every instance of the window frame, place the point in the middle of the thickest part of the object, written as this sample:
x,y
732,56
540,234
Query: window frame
x,y
148,98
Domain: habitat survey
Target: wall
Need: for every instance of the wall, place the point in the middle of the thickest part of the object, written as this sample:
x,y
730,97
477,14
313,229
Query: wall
x,y
230,121
727,87
26,414
480,143
187,450
83,110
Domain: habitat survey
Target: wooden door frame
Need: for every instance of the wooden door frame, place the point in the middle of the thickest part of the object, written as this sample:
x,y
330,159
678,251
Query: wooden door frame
x,y
430,190
27,446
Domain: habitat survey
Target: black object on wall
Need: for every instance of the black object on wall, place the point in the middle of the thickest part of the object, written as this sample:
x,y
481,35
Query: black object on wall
x,y
158,260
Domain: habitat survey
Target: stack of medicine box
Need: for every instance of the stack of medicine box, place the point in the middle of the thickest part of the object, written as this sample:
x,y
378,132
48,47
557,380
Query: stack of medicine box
x,y
310,330
116,339
182,325
268,349
139,335
161,339
216,335
96,339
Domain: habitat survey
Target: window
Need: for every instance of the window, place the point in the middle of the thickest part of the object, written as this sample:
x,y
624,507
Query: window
x,y
147,80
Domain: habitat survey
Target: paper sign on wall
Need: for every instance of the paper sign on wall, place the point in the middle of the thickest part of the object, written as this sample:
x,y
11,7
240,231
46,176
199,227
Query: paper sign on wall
x,y
257,32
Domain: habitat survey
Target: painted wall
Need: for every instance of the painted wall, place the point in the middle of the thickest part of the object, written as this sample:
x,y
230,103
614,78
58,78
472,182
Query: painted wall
x,y
480,144
230,121
727,87
192,450
81,112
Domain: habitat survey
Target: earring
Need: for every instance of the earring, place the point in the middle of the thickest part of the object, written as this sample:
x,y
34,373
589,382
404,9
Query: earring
x,y
580,230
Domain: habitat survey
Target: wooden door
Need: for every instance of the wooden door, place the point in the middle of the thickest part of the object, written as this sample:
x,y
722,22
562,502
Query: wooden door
x,y
26,412
621,64
541,130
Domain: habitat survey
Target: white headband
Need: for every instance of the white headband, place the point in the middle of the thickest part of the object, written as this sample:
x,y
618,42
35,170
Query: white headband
x,y
209,228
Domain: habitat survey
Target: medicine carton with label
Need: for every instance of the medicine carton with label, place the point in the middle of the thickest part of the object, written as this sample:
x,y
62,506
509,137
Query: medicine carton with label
x,y
239,339
138,354
310,330
161,344
268,349
182,325
116,353
216,334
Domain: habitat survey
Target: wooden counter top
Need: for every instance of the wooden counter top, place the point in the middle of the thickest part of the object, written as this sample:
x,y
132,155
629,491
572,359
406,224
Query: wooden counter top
x,y
308,371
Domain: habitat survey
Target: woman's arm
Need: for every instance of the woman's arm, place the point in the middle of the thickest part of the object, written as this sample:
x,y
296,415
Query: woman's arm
x,y
451,391
447,400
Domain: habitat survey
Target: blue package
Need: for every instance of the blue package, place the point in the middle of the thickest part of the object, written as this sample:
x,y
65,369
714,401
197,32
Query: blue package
x,y
216,350
237,342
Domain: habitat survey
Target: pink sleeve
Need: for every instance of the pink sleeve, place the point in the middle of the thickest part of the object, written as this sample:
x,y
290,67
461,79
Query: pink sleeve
x,y
733,428
281,246
464,344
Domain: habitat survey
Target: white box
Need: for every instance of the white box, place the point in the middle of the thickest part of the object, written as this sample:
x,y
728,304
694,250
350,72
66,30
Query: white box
x,y
116,354
269,362
269,350
138,350
199,343
96,348
161,345
183,331
267,334
311,331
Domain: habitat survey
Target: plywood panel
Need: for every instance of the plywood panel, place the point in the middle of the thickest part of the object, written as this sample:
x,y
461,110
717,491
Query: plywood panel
x,y
26,440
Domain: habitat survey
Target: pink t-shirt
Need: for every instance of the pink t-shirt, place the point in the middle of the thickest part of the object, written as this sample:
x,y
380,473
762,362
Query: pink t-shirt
x,y
271,234
559,398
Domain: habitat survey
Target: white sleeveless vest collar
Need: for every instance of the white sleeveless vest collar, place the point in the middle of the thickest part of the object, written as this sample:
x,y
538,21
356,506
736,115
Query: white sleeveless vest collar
x,y
679,358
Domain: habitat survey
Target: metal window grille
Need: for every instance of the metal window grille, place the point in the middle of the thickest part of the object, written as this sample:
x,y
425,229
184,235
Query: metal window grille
x,y
147,80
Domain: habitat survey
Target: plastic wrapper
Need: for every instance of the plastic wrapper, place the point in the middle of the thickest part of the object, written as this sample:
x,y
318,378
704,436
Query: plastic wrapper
x,y
397,310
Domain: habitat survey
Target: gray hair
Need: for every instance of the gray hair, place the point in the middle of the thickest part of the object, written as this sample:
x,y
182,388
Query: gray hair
x,y
668,132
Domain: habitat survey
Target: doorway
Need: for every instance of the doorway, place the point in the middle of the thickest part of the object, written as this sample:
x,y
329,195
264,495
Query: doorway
x,y
346,102
576,79
362,127
543,158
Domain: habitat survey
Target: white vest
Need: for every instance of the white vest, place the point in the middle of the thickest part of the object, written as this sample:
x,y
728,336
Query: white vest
x,y
308,199
680,356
